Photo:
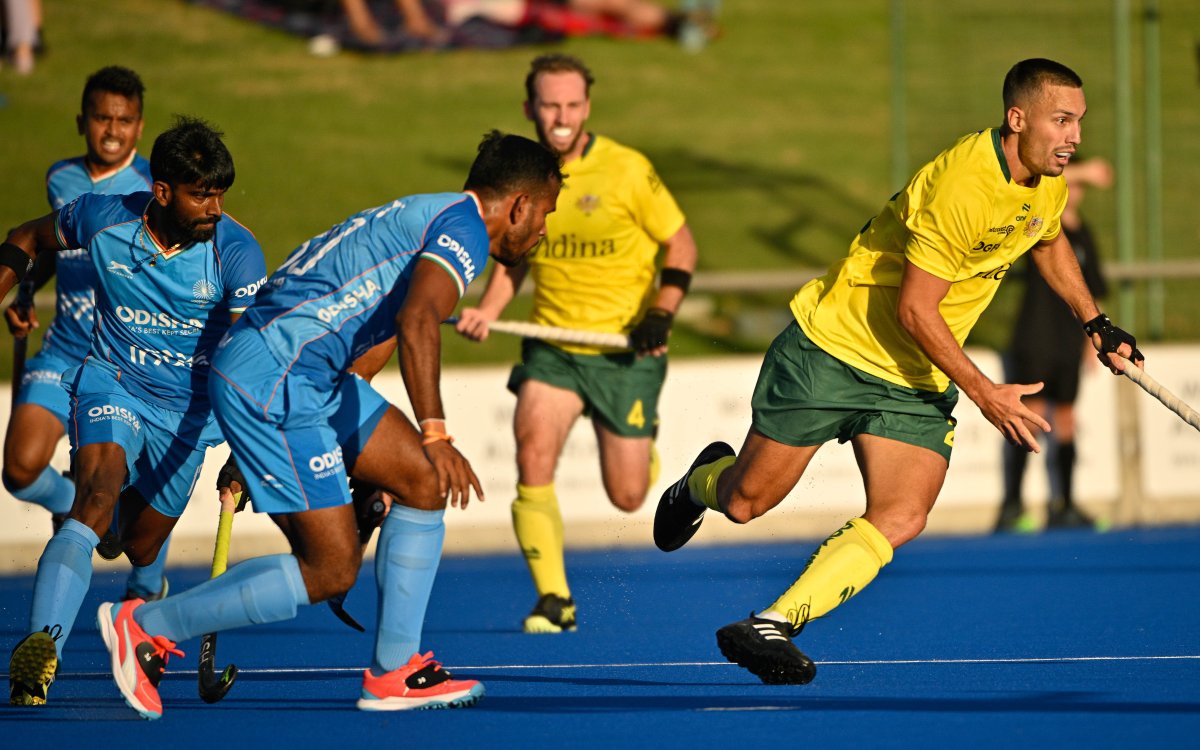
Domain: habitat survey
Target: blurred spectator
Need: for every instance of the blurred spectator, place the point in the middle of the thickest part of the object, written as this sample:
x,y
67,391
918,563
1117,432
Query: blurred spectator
x,y
1048,346
416,23
406,25
693,24
21,20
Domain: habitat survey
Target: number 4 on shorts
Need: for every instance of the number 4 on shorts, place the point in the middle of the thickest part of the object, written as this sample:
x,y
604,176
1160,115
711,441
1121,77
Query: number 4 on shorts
x,y
636,416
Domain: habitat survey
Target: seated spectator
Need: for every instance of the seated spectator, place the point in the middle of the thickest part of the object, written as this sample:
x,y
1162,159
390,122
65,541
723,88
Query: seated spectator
x,y
621,18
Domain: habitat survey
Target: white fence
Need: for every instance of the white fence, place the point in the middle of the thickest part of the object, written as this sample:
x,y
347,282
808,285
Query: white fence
x,y
710,399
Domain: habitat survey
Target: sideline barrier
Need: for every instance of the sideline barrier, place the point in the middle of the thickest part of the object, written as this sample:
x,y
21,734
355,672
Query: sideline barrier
x,y
709,399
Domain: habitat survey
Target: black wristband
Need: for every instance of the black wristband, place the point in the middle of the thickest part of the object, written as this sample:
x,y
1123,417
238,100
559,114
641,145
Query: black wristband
x,y
675,277
15,258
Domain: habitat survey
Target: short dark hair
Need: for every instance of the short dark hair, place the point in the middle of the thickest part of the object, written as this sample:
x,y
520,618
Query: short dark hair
x,y
1026,78
511,163
556,62
113,79
191,151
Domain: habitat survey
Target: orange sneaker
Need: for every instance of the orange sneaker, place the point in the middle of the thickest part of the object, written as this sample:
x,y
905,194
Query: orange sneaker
x,y
419,684
138,659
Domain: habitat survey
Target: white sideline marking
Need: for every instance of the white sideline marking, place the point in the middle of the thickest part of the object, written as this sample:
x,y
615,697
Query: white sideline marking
x,y
629,665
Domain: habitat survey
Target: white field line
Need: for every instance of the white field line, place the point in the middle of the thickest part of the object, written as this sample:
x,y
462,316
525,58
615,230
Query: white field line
x,y
644,665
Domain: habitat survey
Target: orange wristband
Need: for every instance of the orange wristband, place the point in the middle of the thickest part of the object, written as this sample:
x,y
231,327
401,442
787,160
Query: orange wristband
x,y
430,437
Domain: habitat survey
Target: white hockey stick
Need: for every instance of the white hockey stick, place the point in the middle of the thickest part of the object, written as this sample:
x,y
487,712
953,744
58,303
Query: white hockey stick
x,y
552,333
1155,389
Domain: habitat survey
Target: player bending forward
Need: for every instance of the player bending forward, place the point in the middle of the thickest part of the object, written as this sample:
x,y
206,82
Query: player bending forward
x,y
298,423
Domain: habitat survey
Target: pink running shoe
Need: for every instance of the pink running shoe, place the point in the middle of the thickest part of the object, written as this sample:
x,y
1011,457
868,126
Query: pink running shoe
x,y
138,659
419,684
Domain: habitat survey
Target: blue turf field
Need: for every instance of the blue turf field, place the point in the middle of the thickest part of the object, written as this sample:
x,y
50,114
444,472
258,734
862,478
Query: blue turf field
x,y
1067,639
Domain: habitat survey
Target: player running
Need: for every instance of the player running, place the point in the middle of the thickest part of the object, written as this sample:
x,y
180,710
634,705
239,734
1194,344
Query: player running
x,y
594,271
172,273
874,356
110,122
298,423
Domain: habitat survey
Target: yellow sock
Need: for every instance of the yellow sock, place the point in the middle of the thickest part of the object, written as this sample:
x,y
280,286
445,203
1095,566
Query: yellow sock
x,y
539,528
841,567
703,482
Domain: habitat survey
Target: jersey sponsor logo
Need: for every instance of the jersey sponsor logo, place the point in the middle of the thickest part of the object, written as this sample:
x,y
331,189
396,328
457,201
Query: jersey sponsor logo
x,y
352,300
325,465
985,247
250,290
569,247
460,252
995,274
1035,224
118,413
120,269
78,253
157,322
1005,230
41,376
159,357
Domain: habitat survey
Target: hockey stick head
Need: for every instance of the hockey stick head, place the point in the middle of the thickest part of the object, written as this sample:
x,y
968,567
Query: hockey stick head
x,y
337,607
212,686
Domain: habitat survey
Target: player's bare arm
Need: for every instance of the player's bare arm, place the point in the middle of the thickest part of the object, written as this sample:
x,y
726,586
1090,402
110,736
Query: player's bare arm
x,y
372,362
431,298
1058,265
31,238
502,286
21,316
679,263
920,294
680,253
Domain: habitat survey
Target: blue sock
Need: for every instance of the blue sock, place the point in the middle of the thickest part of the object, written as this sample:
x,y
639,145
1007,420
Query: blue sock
x,y
259,590
406,562
64,575
147,581
51,490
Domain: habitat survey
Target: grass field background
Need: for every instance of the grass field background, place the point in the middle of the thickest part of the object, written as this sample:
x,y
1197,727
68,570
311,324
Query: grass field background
x,y
775,139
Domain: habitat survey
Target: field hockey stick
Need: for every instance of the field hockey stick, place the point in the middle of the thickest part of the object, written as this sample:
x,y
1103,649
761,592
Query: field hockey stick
x,y
24,303
553,333
369,518
213,687
1155,389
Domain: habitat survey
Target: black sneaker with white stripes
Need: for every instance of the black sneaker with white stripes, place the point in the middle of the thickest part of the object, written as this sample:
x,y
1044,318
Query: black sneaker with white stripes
x,y
765,648
677,518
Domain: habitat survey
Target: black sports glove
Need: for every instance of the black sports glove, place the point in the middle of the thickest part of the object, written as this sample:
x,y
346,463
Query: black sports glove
x,y
230,473
653,330
1111,338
